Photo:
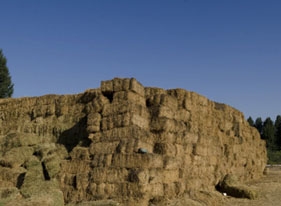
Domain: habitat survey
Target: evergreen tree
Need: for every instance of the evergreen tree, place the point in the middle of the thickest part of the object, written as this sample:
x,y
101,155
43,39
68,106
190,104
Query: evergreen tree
x,y
277,121
259,125
278,131
251,121
268,133
6,85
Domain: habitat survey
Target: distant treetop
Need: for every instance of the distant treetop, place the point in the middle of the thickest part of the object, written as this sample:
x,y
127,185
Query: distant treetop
x,y
6,85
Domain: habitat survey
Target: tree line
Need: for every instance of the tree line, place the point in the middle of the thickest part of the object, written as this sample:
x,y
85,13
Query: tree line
x,y
269,130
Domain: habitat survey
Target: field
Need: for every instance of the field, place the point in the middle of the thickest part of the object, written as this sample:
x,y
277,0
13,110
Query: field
x,y
268,187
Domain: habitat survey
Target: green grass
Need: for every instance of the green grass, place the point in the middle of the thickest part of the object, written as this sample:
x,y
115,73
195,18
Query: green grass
x,y
274,156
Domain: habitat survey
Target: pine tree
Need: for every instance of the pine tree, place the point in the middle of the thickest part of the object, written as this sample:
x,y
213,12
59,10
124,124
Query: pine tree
x,y
259,125
268,133
251,121
278,131
6,85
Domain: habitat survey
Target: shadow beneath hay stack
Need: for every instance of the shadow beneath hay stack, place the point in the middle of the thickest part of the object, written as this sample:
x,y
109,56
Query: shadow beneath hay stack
x,y
76,135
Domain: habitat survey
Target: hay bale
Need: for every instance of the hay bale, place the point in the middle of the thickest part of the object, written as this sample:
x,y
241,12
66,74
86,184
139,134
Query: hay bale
x,y
80,153
89,95
99,102
108,175
9,193
118,84
167,112
152,91
17,156
125,107
133,175
167,125
156,175
104,147
122,133
10,176
101,160
74,166
164,148
231,186
93,122
137,161
123,120
173,162
127,96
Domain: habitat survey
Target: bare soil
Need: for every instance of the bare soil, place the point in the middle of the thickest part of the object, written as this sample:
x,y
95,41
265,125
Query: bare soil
x,y
268,188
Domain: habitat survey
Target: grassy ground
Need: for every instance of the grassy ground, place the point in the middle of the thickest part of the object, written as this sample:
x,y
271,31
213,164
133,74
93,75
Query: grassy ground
x,y
268,187
274,156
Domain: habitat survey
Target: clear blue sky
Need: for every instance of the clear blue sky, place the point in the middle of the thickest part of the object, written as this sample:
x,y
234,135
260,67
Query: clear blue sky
x,y
226,50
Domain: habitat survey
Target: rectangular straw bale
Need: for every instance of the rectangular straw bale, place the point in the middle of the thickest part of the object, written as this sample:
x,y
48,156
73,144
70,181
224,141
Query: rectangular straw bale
x,y
173,189
154,189
128,96
137,160
140,143
165,148
140,121
93,119
68,178
167,125
82,181
121,84
10,175
108,175
179,94
80,153
93,128
131,145
118,84
111,122
74,166
152,91
131,190
129,132
182,115
102,189
173,137
17,156
103,147
5,184
164,111
107,86
123,120
101,160
201,150
163,175
140,175
125,107
93,122
173,162
169,101
187,138
95,137
136,87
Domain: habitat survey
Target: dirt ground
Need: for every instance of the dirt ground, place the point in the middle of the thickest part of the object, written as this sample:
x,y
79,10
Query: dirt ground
x,y
268,187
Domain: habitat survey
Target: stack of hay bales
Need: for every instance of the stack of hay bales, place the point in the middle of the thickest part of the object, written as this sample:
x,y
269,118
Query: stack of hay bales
x,y
124,142
118,131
